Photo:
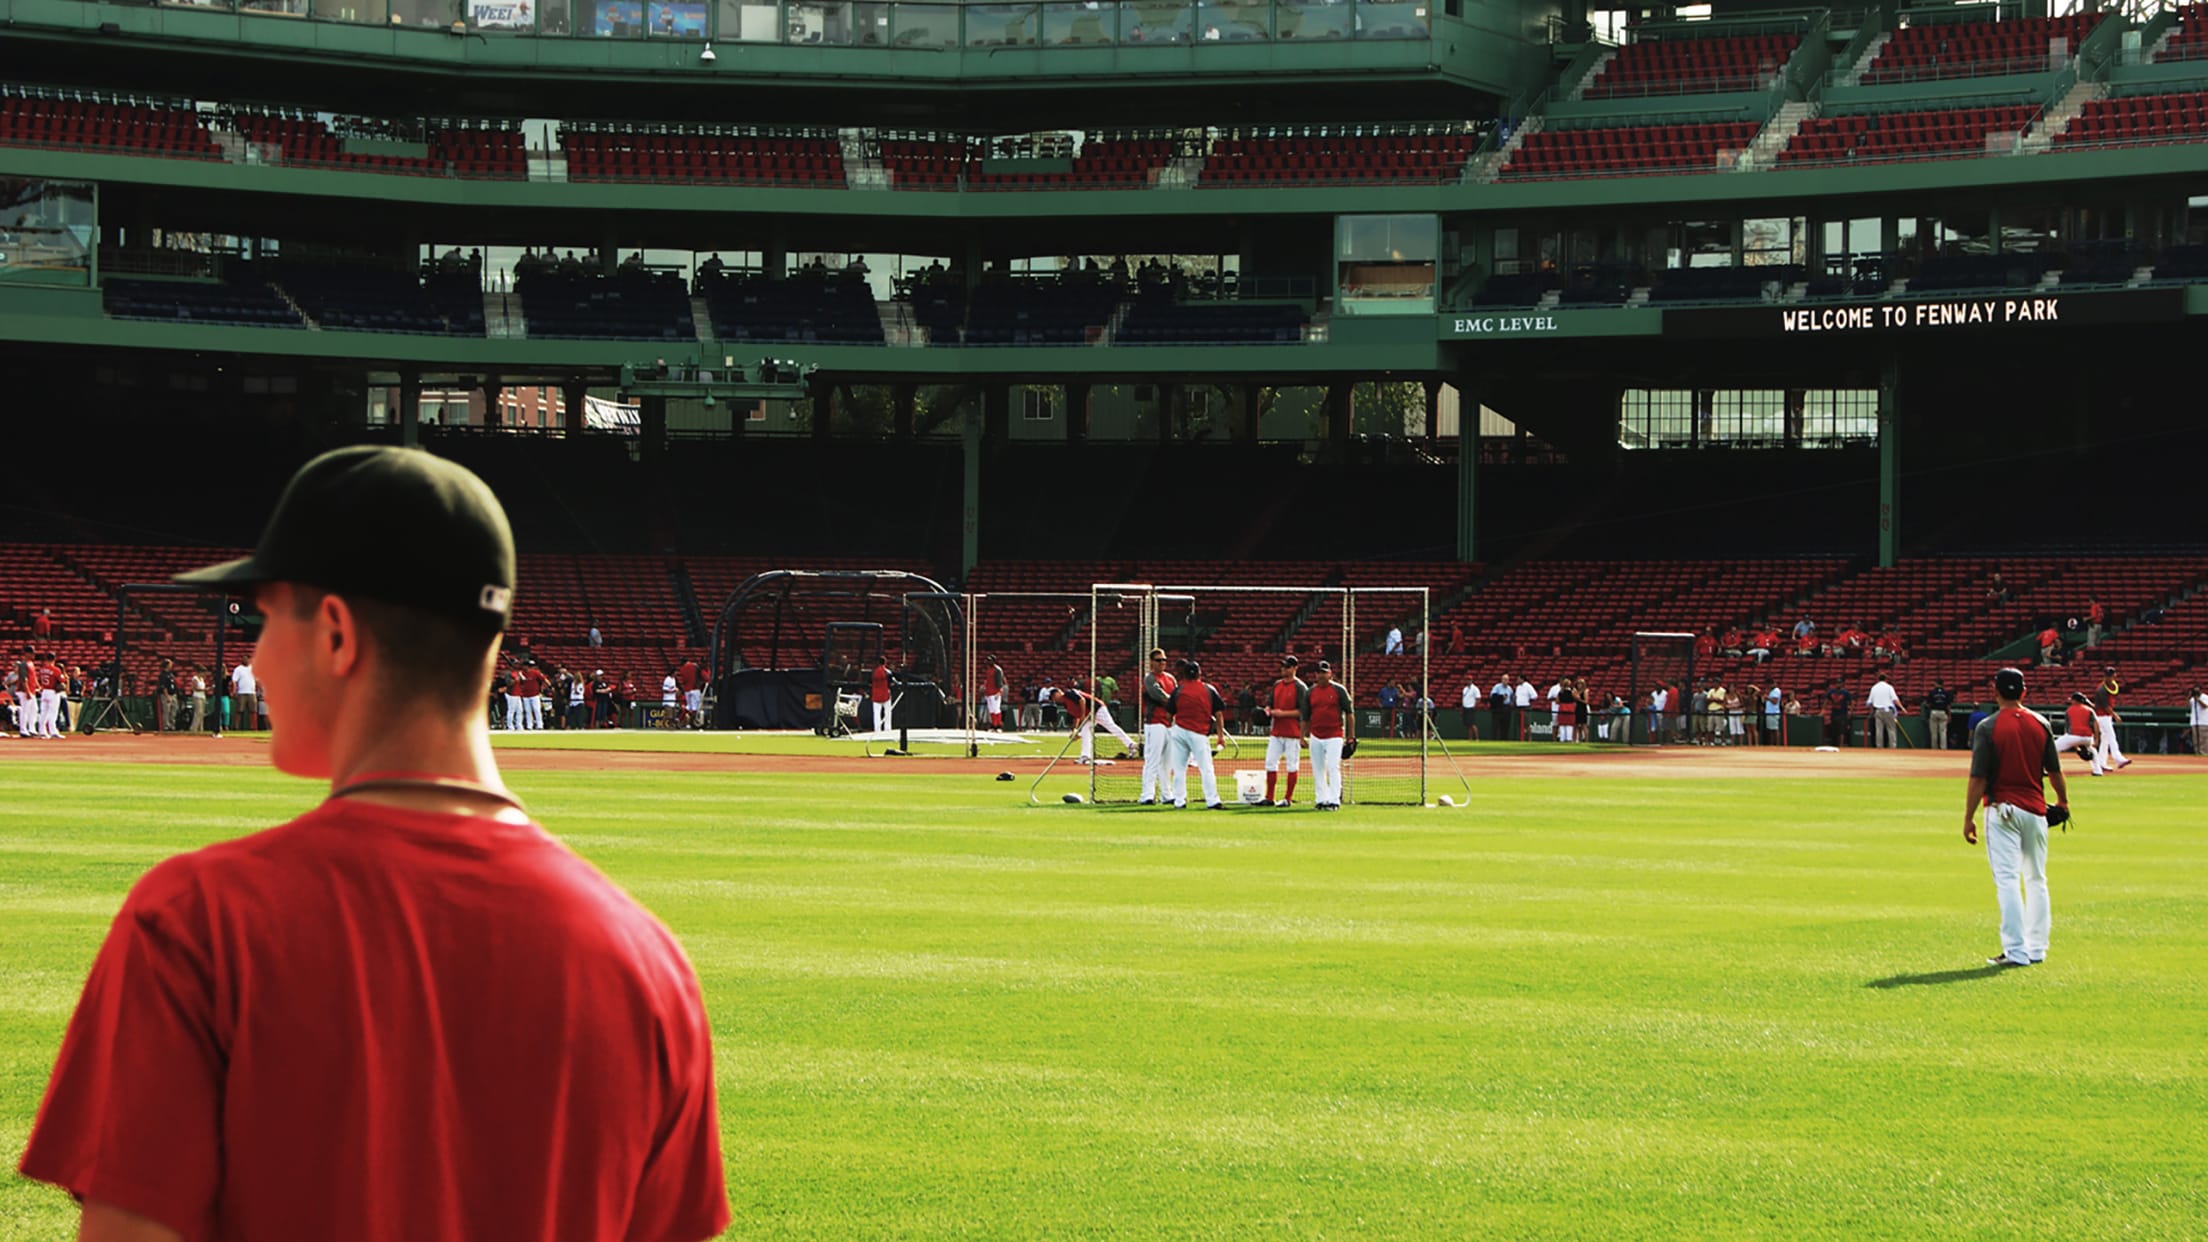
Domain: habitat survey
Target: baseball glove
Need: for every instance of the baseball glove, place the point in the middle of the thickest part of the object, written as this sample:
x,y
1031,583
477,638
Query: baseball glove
x,y
2058,816
1349,748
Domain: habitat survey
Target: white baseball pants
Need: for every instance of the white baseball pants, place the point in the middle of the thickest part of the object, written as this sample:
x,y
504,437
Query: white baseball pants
x,y
693,701
532,712
881,717
2016,848
992,706
2071,741
1281,751
1326,771
513,713
1190,747
49,711
1103,720
1156,742
2111,753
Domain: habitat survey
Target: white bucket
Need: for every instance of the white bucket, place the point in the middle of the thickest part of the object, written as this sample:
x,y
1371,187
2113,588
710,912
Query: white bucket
x,y
1249,785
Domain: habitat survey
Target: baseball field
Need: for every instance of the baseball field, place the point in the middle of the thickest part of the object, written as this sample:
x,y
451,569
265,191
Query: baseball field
x,y
1622,995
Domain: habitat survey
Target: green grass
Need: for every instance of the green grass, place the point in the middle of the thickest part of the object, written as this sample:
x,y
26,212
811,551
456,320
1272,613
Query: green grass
x,y
1599,1009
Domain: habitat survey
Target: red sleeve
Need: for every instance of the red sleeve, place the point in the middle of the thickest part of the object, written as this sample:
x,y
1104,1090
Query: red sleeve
x,y
682,1196
133,1114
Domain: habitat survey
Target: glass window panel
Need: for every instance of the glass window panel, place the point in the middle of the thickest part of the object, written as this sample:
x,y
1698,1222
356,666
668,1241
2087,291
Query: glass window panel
x,y
1156,23
747,21
870,25
1074,25
47,231
925,25
421,12
289,8
1317,19
1002,25
506,15
1409,20
675,19
369,12
200,4
1390,238
820,23
1235,21
610,19
553,17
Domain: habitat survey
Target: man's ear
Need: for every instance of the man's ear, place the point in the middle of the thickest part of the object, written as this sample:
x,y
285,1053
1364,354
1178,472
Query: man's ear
x,y
341,632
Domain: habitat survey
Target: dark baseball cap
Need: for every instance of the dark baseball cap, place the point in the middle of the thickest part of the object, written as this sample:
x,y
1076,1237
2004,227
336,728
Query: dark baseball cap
x,y
2009,682
1324,667
392,524
1287,661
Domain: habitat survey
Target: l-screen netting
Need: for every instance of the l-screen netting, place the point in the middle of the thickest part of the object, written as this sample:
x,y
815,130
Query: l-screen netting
x,y
1238,636
1662,672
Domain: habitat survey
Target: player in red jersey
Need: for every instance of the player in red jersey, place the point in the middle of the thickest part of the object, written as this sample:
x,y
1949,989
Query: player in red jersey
x,y
1284,707
992,692
1157,725
1197,710
2011,752
688,681
2079,730
879,694
1330,718
409,1013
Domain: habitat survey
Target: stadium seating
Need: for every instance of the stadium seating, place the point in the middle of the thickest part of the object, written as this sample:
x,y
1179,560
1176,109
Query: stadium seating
x,y
243,303
1691,66
832,311
1154,318
1877,137
1723,284
1100,164
377,300
2139,120
1399,158
1936,50
1627,150
171,130
924,163
477,149
627,306
1982,271
2189,41
701,155
1517,288
1039,313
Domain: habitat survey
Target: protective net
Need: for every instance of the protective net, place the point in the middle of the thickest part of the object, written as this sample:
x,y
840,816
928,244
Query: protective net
x,y
1660,683
788,642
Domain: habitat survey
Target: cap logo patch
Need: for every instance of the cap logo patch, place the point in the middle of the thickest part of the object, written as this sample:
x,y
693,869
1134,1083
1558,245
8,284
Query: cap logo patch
x,y
495,599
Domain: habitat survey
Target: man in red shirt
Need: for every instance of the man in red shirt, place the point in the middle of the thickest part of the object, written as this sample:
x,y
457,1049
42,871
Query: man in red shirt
x,y
42,625
2078,730
1157,724
2011,752
1197,711
880,695
691,682
1284,708
409,1013
1329,716
992,692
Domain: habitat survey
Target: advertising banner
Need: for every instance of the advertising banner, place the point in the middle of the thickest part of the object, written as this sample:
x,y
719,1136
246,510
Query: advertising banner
x,y
502,14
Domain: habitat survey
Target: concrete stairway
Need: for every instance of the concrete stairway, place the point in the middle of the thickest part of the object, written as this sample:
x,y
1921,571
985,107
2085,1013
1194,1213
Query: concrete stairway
x,y
1854,75
1763,151
502,319
701,321
1602,62
2057,118
862,170
1489,168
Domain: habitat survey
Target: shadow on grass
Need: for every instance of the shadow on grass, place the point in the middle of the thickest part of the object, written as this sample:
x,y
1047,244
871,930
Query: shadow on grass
x,y
1935,977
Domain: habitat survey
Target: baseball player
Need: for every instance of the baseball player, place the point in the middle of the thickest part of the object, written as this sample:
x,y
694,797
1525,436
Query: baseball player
x,y
2105,718
880,695
992,692
2079,726
1330,719
50,681
690,681
2011,752
2196,716
411,1012
1284,707
1198,710
532,683
1157,724
1100,717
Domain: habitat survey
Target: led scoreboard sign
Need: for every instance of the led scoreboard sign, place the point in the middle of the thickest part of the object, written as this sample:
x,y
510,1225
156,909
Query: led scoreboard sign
x,y
1968,313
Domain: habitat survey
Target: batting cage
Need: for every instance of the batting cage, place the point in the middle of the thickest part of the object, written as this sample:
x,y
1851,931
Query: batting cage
x,y
1659,683
198,631
1375,639
797,649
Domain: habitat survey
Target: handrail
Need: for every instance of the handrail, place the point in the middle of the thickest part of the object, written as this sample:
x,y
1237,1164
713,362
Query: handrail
x,y
1875,23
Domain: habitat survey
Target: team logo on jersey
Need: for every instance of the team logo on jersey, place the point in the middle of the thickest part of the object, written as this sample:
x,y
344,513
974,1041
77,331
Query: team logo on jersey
x,y
495,599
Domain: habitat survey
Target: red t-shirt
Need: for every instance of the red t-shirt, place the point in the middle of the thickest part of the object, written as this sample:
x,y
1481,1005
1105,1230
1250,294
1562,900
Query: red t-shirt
x,y
686,676
2080,717
1162,714
1076,707
1705,646
373,1023
1287,696
1329,706
881,683
2012,752
2050,637
1196,705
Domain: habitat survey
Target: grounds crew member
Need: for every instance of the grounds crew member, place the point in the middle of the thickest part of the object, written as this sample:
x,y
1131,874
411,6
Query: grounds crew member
x,y
2011,752
1938,702
1330,716
1284,708
1197,710
409,1013
1157,726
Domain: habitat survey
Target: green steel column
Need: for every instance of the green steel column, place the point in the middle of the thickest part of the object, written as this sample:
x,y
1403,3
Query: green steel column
x,y
410,409
970,517
1889,463
1468,456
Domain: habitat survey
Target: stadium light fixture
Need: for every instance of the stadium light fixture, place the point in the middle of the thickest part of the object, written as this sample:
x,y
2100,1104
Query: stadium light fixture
x,y
707,57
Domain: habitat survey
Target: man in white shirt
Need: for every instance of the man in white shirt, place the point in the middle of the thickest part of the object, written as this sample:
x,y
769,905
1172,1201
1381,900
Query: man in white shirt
x,y
247,691
1658,700
2197,711
1395,641
1522,699
1885,707
1469,702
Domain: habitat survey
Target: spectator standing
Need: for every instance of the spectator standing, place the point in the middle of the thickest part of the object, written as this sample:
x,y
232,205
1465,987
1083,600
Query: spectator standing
x,y
197,684
1521,702
1837,701
2094,616
248,691
2011,754
1885,707
1390,698
1774,708
42,625
1937,702
1456,638
595,638
2196,713
1565,708
1659,700
1499,702
1394,644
